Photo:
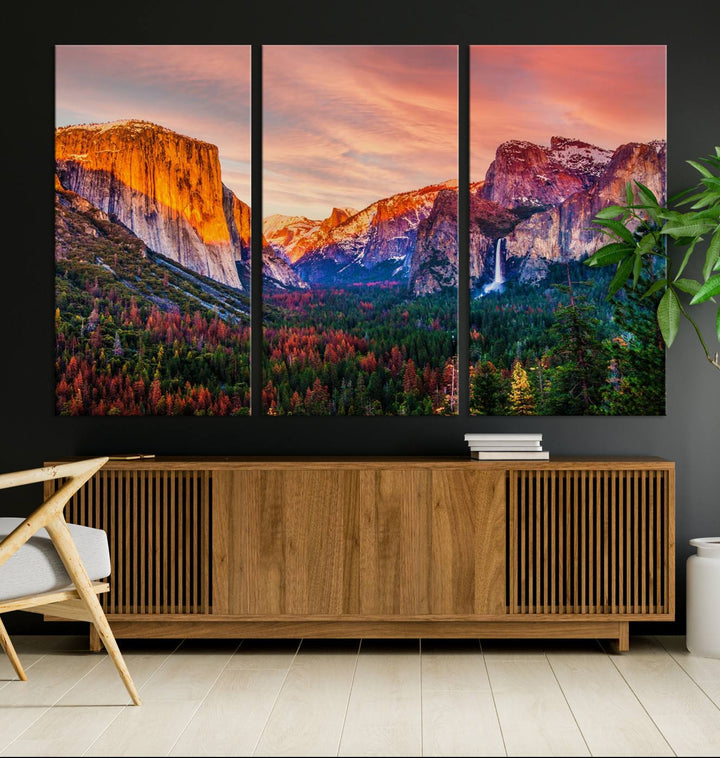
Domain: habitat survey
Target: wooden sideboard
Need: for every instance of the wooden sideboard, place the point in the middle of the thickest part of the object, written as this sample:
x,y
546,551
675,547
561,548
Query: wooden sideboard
x,y
384,547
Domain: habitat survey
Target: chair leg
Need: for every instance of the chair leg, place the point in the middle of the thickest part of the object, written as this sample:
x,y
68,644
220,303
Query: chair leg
x,y
70,557
7,646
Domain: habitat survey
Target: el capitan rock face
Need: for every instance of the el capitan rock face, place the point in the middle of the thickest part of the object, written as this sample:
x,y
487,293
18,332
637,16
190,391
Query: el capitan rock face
x,y
163,186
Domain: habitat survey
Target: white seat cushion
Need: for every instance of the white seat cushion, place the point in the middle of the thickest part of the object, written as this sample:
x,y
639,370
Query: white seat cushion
x,y
36,567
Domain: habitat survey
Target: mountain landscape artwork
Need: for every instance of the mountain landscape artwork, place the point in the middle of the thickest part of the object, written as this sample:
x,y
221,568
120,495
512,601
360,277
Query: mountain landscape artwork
x,y
359,243
360,230
557,132
152,230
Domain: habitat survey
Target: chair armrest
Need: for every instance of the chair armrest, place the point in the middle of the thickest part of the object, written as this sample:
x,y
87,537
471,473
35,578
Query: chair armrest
x,y
77,473
62,471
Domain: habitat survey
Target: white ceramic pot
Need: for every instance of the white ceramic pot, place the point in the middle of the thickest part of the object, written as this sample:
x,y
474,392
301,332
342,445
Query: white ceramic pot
x,y
703,598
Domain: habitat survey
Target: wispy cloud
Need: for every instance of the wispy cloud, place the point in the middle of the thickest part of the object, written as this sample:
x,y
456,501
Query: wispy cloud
x,y
348,125
202,91
603,94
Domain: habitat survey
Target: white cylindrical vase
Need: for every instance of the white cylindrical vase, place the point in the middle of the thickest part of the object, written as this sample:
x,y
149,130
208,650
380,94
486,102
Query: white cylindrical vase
x,y
702,636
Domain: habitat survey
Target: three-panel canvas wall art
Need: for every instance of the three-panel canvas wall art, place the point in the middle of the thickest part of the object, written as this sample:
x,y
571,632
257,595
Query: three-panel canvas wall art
x,y
360,247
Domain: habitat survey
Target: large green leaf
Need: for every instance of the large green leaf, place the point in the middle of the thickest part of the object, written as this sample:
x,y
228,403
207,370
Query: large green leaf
x,y
687,228
687,285
713,255
702,169
706,199
620,230
612,211
712,181
648,198
629,198
688,253
612,253
637,269
668,316
624,270
647,244
708,290
654,287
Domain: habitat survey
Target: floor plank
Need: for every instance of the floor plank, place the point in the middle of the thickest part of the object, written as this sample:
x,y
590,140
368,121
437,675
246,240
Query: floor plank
x,y
705,672
461,723
685,715
310,710
264,654
7,672
533,714
458,710
384,712
105,687
610,717
453,665
233,715
83,713
49,678
171,697
64,731
150,729
190,672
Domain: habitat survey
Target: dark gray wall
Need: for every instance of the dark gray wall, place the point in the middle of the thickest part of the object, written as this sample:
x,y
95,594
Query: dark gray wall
x,y
689,434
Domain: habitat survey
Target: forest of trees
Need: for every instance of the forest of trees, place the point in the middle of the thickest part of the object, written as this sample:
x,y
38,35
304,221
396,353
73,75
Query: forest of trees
x,y
562,349
362,351
137,334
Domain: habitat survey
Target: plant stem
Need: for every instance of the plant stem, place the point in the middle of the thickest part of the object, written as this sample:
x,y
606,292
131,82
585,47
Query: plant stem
x,y
714,361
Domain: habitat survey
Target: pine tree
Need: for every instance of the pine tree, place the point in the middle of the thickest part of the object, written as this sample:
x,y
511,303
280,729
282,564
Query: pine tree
x,y
522,398
579,359
488,391
637,385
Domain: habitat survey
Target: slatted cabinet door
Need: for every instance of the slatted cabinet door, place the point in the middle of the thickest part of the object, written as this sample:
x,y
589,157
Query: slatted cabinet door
x,y
366,542
158,523
591,542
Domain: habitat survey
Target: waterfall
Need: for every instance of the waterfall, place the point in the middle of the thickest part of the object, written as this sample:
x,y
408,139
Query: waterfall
x,y
498,280
497,284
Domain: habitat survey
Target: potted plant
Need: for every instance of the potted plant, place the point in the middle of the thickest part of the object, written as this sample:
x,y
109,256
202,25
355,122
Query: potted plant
x,y
639,230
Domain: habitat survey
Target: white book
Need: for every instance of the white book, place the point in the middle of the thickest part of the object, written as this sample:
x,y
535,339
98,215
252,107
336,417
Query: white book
x,y
516,437
543,455
509,443
509,447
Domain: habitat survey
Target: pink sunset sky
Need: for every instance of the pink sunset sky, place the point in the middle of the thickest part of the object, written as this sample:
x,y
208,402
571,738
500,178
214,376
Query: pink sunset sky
x,y
603,94
348,125
201,91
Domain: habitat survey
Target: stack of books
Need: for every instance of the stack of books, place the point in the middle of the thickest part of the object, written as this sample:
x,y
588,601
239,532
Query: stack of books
x,y
507,447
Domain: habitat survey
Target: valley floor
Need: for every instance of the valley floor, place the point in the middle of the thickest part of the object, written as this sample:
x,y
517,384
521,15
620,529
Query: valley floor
x,y
369,697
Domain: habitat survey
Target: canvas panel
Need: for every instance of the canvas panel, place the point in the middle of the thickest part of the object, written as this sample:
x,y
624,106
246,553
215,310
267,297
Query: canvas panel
x,y
557,132
152,229
360,230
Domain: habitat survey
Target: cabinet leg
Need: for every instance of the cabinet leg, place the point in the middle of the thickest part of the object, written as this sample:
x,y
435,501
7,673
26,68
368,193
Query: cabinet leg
x,y
622,643
95,643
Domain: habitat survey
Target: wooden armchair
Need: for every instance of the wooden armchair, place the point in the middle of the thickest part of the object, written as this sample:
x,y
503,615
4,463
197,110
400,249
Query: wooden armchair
x,y
48,566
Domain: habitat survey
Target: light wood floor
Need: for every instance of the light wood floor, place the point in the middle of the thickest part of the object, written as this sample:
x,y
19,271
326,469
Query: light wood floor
x,y
355,698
